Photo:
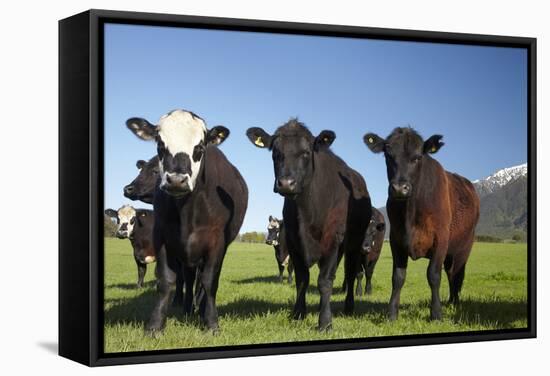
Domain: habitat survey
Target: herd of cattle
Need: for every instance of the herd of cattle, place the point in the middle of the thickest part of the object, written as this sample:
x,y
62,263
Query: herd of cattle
x,y
200,200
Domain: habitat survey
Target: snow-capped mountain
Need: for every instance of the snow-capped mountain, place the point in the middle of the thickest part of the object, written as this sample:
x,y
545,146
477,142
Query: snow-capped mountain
x,y
499,179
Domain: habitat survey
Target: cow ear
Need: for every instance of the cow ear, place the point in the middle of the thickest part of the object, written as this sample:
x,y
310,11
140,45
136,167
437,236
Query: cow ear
x,y
433,144
374,142
324,139
111,213
140,164
217,135
142,128
259,137
270,218
381,227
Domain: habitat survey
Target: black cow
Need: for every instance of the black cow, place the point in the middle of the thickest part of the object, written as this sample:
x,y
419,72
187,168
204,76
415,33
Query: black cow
x,y
433,213
371,249
276,238
142,188
199,207
136,225
370,252
326,210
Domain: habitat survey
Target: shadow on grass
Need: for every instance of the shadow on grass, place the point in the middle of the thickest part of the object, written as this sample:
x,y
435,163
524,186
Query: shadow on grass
x,y
262,279
500,314
132,286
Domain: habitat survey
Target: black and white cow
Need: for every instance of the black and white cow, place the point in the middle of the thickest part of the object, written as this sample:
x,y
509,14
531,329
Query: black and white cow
x,y
136,225
326,210
276,238
199,207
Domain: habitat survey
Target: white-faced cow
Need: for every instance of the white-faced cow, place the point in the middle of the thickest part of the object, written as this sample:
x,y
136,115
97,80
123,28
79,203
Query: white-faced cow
x,y
326,210
136,225
276,238
199,207
433,213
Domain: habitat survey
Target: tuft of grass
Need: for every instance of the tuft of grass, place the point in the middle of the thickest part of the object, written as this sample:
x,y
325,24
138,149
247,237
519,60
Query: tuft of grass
x,y
254,308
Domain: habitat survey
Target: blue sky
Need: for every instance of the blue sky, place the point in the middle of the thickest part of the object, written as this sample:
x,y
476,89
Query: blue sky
x,y
475,96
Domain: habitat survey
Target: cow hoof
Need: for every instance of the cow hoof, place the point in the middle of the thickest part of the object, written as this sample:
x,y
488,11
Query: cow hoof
x,y
298,315
325,327
153,333
435,316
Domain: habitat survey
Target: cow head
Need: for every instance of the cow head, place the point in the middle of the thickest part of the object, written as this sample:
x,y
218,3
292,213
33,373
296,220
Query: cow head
x,y
373,229
273,230
143,186
181,138
293,148
125,219
404,150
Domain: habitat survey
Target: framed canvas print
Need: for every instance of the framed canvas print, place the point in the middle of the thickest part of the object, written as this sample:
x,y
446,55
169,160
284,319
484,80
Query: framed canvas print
x,y
236,187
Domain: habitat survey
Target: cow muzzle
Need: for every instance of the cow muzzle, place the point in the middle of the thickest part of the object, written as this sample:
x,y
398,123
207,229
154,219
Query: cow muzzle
x,y
176,184
401,190
129,191
286,186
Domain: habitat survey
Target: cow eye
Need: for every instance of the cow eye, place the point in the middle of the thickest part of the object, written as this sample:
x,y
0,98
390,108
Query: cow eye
x,y
156,170
417,159
132,220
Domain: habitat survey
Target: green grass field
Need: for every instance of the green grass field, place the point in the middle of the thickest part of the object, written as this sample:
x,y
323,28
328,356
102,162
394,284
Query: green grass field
x,y
254,308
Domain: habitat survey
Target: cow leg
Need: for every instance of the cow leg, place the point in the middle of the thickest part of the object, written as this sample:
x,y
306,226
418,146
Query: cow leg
x,y
448,265
142,269
344,285
359,288
456,278
166,276
290,268
178,295
281,271
301,272
199,291
350,274
327,272
368,274
434,280
209,281
399,273
189,277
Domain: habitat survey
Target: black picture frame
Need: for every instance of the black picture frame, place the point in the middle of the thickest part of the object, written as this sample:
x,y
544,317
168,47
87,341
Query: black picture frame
x,y
81,185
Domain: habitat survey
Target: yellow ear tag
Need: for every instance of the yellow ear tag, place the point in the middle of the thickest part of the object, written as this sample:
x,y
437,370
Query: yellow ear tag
x,y
371,140
325,139
221,135
433,149
259,142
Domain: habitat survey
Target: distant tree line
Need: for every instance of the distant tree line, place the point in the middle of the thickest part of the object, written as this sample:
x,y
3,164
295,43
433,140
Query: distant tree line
x,y
517,237
251,237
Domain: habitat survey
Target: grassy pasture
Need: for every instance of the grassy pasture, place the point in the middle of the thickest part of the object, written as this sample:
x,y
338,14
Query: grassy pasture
x,y
254,308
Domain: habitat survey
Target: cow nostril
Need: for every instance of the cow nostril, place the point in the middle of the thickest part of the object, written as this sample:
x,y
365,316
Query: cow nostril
x,y
129,189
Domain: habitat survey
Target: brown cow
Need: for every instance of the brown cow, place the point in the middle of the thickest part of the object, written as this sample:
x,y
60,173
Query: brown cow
x,y
433,213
